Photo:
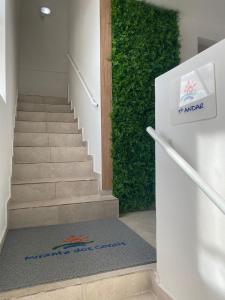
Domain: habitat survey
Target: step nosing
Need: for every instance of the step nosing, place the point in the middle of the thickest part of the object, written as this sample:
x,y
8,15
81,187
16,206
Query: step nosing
x,y
64,122
47,121
30,102
78,146
60,202
47,133
60,162
53,180
49,162
45,112
60,133
47,147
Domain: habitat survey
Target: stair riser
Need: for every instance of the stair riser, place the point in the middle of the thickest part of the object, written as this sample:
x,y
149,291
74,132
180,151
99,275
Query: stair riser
x,y
48,154
52,170
64,214
46,127
31,107
42,100
47,140
44,117
50,191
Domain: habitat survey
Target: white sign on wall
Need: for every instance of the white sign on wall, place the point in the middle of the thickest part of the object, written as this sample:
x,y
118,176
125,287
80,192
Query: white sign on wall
x,y
193,96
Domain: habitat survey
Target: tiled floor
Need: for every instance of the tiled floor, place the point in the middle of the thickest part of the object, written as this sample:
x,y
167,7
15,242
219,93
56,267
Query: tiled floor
x,y
143,223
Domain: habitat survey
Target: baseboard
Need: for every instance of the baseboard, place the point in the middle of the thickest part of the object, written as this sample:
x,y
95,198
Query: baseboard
x,y
161,293
12,154
6,229
3,239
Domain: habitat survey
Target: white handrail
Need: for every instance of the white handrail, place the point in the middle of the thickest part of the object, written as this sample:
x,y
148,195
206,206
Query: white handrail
x,y
187,168
84,84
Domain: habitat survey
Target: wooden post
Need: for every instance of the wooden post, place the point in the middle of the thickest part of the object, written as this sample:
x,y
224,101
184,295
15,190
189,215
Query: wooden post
x,y
106,92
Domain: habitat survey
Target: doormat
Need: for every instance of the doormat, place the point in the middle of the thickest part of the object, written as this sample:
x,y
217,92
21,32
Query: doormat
x,y
50,254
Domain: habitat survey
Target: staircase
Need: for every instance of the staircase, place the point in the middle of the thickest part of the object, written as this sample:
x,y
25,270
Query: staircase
x,y
53,180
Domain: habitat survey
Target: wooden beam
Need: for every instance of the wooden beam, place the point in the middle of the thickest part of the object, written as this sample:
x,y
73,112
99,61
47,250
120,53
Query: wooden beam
x,y
106,92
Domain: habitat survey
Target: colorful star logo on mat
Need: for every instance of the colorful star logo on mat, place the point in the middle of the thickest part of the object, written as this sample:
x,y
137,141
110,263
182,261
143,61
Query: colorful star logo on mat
x,y
74,241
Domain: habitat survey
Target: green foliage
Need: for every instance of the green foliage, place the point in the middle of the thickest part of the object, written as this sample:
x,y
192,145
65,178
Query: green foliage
x,y
145,45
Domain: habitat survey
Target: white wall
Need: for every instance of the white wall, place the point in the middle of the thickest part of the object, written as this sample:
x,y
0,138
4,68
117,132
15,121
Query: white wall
x,y
198,18
7,110
84,48
2,51
190,229
43,48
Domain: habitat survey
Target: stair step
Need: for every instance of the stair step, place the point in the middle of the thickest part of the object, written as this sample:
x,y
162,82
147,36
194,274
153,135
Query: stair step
x,y
49,154
52,170
51,179
47,140
148,296
34,107
46,127
59,201
62,211
42,100
122,284
49,189
44,117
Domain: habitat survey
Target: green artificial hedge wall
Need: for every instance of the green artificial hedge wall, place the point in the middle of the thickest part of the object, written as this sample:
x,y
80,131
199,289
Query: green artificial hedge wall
x,y
145,45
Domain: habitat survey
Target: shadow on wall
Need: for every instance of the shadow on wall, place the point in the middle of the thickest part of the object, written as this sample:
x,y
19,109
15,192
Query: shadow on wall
x,y
211,238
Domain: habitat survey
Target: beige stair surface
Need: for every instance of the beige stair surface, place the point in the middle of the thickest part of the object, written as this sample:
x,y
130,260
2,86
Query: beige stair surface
x,y
53,188
46,127
53,180
62,211
148,296
47,139
33,107
130,283
49,154
44,117
52,170
42,100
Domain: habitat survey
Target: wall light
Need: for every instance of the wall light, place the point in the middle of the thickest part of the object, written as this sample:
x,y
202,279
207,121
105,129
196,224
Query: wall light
x,y
45,11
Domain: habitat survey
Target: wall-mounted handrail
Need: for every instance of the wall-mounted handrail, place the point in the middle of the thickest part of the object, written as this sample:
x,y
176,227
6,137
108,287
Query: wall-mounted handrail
x,y
187,168
82,80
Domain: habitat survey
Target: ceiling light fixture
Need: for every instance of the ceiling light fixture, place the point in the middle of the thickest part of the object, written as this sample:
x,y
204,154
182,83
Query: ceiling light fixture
x,y
45,11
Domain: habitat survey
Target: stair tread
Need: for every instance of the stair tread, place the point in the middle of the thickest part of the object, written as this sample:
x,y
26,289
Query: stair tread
x,y
75,120
148,296
41,122
13,205
47,147
30,99
51,162
46,133
53,180
30,103
55,163
46,112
